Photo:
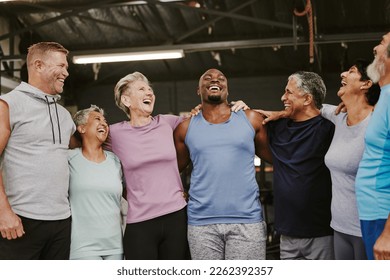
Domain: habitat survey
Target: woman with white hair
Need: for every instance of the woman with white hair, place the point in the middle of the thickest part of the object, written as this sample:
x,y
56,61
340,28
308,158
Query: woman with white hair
x,y
156,219
95,191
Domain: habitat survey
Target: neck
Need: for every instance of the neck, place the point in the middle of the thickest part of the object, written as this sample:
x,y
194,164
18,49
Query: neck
x,y
140,120
384,81
215,113
307,114
358,109
93,151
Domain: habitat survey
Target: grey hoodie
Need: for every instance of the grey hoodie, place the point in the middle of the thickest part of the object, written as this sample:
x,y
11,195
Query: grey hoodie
x,y
35,166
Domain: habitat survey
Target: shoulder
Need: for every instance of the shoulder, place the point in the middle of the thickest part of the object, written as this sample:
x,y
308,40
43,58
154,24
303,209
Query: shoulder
x,y
328,112
184,124
73,153
255,118
324,125
172,120
116,126
168,117
13,100
327,108
112,156
182,128
251,114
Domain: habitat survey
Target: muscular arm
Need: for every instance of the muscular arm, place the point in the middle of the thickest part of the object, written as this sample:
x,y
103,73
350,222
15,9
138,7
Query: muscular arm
x,y
179,135
10,224
261,139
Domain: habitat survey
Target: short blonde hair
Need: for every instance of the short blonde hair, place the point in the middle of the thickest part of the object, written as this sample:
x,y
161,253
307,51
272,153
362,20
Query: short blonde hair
x,y
124,85
43,48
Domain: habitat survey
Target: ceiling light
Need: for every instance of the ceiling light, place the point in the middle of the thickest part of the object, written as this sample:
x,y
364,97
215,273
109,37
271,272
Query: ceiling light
x,y
127,56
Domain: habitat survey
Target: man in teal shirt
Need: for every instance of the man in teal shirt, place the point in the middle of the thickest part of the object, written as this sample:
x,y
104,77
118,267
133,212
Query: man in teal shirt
x,y
372,181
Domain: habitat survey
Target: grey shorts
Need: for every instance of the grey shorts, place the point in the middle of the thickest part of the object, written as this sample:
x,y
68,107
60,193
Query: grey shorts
x,y
317,248
228,241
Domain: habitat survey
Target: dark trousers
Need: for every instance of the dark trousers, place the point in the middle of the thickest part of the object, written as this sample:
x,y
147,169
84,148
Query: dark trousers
x,y
43,240
161,238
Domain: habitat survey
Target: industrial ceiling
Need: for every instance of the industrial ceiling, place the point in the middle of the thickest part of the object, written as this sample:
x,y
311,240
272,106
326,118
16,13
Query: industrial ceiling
x,y
242,38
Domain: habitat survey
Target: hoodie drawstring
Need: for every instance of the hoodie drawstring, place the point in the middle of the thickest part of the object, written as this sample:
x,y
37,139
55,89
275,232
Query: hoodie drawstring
x,y
51,119
58,120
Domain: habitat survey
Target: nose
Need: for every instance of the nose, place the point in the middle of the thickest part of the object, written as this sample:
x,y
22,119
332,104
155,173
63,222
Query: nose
x,y
343,74
66,73
283,98
103,123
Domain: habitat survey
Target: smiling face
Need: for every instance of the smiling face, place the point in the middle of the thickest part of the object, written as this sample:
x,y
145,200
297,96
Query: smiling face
x,y
95,127
139,98
350,83
294,99
213,87
54,71
377,69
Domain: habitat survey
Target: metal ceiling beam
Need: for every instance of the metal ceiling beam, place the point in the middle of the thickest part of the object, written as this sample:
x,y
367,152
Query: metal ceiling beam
x,y
225,14
207,23
240,44
54,19
256,43
112,24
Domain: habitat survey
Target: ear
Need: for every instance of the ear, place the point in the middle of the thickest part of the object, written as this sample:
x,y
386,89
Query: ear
x,y
38,65
308,99
125,100
366,85
81,129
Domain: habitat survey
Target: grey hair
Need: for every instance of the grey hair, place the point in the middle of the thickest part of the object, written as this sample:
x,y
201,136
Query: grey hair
x,y
81,117
124,85
310,83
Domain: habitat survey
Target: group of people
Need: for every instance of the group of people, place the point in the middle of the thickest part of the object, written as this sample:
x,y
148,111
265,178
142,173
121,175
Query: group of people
x,y
330,187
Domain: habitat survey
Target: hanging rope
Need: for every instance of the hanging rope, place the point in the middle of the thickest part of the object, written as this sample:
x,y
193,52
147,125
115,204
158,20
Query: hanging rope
x,y
309,12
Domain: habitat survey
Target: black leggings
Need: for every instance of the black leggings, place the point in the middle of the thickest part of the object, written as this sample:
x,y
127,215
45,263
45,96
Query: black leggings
x,y
348,247
161,238
43,240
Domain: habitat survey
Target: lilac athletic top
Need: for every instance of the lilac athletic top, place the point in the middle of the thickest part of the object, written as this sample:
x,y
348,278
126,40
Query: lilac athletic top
x,y
149,162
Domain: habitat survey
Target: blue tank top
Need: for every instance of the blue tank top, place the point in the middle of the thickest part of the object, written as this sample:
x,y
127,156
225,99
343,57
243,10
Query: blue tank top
x,y
223,185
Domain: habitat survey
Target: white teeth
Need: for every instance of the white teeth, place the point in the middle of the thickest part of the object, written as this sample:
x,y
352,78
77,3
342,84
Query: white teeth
x,y
214,88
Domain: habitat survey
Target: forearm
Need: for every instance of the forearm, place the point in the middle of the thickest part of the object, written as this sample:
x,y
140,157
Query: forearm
x,y
10,224
4,204
382,244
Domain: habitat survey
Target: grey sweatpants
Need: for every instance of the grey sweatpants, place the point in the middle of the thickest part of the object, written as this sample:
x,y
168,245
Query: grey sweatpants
x,y
228,241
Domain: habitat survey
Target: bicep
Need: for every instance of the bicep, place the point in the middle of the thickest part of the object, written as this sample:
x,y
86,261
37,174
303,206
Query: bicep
x,y
262,149
262,145
182,152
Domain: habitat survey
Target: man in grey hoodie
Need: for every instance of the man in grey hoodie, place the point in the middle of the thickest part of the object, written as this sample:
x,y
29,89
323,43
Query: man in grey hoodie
x,y
35,132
